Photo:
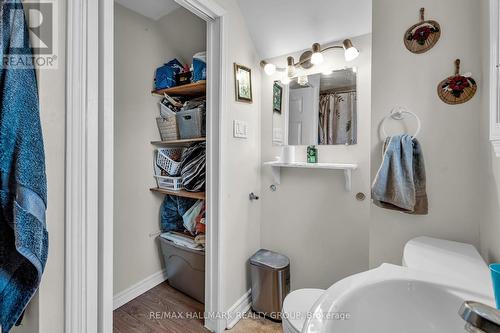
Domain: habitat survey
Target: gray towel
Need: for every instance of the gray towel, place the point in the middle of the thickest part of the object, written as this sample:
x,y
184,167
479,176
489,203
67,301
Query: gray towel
x,y
400,181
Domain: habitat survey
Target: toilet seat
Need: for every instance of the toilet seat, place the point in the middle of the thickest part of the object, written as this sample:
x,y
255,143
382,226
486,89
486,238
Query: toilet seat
x,y
296,306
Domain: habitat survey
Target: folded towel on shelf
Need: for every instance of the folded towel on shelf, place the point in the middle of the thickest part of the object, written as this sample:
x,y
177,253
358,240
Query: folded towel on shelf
x,y
182,240
400,182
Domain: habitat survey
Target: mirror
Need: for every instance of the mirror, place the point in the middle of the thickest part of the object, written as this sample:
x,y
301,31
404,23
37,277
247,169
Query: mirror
x,y
318,109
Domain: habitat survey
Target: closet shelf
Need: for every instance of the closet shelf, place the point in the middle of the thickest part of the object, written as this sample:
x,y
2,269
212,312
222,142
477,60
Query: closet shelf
x,y
346,167
177,142
181,193
196,89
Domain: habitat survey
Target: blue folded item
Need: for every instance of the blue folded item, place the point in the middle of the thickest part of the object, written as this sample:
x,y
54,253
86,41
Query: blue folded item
x,y
23,185
171,212
199,67
165,75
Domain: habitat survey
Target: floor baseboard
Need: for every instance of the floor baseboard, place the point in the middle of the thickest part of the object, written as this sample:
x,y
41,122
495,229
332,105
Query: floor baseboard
x,y
138,289
239,308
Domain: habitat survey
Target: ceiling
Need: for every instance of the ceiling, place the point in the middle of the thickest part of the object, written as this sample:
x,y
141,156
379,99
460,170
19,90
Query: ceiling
x,y
154,9
279,27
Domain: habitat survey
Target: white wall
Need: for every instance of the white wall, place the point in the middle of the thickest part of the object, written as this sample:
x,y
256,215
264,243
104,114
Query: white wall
x,y
45,313
450,134
182,31
240,165
490,172
140,47
311,218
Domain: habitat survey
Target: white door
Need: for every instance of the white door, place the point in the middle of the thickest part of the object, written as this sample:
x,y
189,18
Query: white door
x,y
302,117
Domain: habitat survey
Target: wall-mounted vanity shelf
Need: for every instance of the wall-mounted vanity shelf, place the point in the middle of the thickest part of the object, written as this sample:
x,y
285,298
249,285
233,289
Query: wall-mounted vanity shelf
x,y
347,168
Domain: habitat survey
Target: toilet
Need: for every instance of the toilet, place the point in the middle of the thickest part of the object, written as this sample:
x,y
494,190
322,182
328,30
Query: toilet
x,y
426,254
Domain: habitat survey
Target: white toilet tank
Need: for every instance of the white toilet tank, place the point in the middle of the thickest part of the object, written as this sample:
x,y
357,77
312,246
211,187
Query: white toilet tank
x,y
443,257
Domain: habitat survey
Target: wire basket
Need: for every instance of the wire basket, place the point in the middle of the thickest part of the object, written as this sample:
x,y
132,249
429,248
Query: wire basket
x,y
169,159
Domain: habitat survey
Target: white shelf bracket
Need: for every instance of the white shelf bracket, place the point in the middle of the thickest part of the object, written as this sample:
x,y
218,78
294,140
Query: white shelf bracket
x,y
348,179
276,170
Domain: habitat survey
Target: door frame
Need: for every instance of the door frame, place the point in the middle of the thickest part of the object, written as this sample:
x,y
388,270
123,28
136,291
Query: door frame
x,y
89,162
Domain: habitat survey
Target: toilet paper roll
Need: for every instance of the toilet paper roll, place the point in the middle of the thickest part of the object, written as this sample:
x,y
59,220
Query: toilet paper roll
x,y
288,154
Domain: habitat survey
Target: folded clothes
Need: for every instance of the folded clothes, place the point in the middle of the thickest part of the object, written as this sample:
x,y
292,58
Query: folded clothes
x,y
182,240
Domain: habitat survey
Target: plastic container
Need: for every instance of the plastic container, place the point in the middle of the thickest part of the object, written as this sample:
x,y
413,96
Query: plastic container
x,y
191,123
185,269
495,278
169,159
270,275
166,182
167,126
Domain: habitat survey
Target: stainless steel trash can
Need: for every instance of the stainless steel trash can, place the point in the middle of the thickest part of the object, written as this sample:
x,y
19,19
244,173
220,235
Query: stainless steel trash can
x,y
270,274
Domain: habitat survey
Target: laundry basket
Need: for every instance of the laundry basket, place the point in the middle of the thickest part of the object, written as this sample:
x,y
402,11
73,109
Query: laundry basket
x,y
169,160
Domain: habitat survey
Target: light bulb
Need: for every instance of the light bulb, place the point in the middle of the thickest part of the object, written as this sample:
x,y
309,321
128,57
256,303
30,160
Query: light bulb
x,y
351,54
290,68
317,58
350,51
270,69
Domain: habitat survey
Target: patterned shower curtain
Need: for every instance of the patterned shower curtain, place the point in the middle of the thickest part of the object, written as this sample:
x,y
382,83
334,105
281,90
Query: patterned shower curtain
x,y
337,119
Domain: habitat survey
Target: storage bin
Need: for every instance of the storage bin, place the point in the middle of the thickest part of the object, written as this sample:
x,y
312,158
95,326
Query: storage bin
x,y
166,112
185,269
169,159
166,182
191,123
168,128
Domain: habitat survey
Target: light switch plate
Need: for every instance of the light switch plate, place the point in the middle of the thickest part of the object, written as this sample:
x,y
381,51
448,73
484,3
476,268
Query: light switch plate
x,y
240,129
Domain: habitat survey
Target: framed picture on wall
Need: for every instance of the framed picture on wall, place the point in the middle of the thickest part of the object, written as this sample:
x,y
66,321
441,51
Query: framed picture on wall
x,y
277,97
243,83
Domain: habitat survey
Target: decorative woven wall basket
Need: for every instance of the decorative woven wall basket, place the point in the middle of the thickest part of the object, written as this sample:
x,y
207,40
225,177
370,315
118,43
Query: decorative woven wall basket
x,y
422,37
457,89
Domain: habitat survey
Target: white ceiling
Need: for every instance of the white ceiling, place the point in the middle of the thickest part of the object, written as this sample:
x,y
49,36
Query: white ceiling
x,y
154,9
279,27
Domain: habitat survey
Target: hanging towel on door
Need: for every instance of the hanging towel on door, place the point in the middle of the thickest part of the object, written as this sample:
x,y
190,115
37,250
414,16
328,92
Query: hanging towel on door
x,y
400,181
23,187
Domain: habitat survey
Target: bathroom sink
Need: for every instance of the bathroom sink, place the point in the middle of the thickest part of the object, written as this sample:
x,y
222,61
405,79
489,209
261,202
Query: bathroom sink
x,y
394,299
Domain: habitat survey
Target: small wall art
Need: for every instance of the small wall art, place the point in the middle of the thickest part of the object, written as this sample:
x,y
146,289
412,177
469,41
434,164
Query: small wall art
x,y
277,97
422,37
457,89
243,83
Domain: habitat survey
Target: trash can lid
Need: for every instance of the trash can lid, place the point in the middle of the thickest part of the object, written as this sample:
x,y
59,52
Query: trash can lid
x,y
271,259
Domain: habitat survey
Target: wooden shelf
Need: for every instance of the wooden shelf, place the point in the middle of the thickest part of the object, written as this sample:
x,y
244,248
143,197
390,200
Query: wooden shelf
x,y
177,142
181,193
346,167
189,90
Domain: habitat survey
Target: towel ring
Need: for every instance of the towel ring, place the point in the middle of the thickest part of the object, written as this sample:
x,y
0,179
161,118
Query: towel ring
x,y
398,114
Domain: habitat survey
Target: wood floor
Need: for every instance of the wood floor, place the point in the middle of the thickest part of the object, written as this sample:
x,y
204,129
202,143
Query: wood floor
x,y
164,309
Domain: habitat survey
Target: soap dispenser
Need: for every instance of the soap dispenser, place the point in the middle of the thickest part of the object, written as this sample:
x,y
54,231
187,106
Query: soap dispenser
x,y
312,154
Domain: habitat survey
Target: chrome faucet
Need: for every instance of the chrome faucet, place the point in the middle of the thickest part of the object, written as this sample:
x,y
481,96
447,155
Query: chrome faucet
x,y
480,318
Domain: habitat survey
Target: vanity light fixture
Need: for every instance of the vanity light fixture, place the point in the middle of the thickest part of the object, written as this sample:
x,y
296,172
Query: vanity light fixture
x,y
309,59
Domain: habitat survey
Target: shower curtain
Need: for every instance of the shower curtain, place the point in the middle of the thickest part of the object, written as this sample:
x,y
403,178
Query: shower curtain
x,y
337,119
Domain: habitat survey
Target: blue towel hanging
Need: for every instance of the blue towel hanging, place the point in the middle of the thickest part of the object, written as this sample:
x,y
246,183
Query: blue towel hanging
x,y
23,186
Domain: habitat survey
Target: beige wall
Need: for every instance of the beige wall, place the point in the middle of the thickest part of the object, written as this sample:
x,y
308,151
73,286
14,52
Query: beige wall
x,y
311,218
140,47
490,171
450,134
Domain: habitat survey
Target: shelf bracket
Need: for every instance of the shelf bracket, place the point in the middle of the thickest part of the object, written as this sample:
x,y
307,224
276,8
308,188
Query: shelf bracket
x,y
348,179
276,170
